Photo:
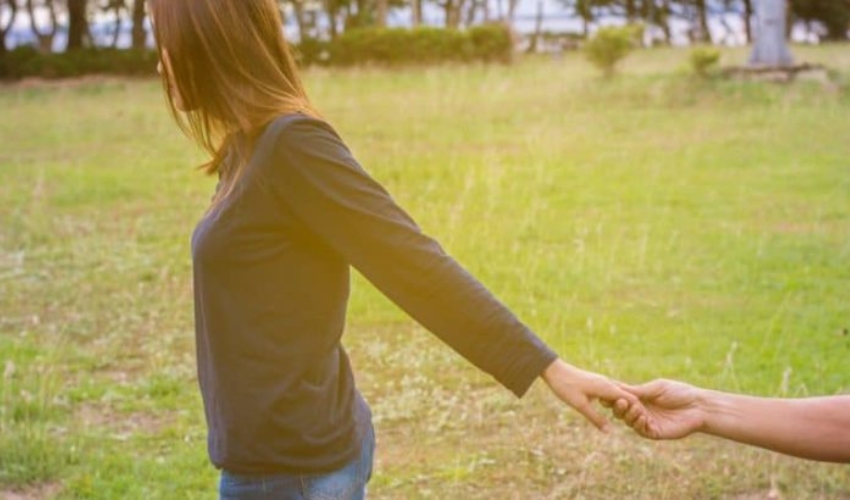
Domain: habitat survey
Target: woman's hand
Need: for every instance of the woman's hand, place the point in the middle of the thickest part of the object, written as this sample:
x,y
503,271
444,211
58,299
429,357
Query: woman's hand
x,y
579,389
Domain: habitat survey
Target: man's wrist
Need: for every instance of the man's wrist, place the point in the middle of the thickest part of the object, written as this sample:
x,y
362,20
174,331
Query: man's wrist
x,y
712,406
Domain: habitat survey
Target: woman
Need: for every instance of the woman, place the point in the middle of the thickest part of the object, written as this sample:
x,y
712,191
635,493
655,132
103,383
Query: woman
x,y
271,266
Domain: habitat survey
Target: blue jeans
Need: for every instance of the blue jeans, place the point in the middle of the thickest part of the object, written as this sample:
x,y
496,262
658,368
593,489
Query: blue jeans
x,y
348,483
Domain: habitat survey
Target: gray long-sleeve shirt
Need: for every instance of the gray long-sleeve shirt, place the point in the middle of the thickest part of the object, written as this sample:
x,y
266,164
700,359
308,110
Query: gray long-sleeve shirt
x,y
271,276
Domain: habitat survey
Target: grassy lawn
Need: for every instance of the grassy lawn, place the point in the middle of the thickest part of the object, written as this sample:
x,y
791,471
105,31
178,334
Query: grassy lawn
x,y
650,226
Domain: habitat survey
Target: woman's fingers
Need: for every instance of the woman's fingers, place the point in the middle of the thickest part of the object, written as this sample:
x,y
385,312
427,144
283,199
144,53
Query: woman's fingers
x,y
649,390
620,407
594,417
609,391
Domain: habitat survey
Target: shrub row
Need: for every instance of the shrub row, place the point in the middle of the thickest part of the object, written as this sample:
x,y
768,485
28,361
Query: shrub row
x,y
26,62
399,46
488,43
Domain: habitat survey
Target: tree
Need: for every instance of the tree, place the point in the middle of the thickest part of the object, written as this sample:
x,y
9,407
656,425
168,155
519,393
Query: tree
x,y
834,15
585,10
538,28
660,16
12,5
416,12
452,10
703,31
139,34
381,8
44,35
748,19
609,46
78,24
118,7
512,5
332,9
770,47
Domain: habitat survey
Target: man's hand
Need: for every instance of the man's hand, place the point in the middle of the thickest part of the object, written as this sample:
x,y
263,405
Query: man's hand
x,y
579,389
670,409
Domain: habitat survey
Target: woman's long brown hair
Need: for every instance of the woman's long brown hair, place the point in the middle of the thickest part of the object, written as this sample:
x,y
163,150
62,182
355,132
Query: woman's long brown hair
x,y
234,72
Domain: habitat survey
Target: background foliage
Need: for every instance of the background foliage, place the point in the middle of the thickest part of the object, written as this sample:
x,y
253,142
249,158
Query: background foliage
x,y
347,32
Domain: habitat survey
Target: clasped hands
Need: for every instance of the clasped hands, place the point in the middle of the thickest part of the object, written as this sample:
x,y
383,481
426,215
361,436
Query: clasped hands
x,y
661,409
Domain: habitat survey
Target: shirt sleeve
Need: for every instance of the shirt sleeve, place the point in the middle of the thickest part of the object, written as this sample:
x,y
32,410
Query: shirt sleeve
x,y
315,175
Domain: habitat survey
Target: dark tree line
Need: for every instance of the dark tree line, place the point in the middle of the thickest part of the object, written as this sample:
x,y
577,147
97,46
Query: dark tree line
x,y
78,14
833,15
341,15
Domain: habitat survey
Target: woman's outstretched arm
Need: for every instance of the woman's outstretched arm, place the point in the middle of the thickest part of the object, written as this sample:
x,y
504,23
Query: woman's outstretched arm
x,y
813,428
343,211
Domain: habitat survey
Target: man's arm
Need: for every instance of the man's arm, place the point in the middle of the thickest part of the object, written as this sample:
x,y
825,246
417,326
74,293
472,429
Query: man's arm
x,y
812,428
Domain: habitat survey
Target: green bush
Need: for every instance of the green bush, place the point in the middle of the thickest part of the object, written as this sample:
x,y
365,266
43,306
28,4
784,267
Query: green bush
x,y
398,46
492,43
423,45
27,62
312,51
390,47
704,60
610,45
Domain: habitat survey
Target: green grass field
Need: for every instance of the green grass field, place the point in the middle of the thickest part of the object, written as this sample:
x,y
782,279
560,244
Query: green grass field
x,y
650,226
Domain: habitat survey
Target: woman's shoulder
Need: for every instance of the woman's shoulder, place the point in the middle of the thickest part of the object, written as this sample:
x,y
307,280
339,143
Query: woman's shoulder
x,y
297,140
296,128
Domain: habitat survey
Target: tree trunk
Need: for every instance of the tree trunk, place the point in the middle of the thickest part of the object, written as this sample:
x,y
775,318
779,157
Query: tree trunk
x,y
789,20
471,12
538,29
78,24
4,30
748,20
449,13
631,11
117,7
416,12
300,20
140,36
459,8
332,10
45,38
770,47
702,13
584,10
362,16
664,21
381,8
116,35
512,5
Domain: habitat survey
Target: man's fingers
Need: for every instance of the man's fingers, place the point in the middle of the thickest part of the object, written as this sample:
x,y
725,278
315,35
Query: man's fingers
x,y
641,425
633,414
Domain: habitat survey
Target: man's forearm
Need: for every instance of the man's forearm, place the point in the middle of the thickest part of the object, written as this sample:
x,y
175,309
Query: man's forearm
x,y
813,428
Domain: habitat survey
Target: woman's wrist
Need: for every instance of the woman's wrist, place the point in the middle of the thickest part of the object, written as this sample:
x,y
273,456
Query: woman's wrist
x,y
555,371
